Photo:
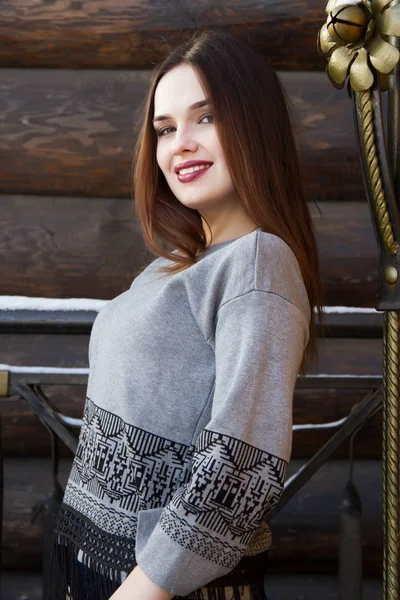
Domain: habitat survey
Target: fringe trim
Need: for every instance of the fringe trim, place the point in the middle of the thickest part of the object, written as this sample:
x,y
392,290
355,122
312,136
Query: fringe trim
x,y
97,582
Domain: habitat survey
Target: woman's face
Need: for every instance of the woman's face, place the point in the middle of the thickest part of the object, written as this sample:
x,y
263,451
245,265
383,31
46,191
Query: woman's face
x,y
189,134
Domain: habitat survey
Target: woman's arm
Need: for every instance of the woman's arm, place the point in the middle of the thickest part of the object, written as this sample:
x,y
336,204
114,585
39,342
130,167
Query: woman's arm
x,y
137,586
240,456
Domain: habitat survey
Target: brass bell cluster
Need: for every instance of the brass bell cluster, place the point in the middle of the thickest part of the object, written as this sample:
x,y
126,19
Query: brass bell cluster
x,y
352,39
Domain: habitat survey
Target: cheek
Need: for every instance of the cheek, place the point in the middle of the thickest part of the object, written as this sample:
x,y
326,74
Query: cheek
x,y
164,164
158,156
217,150
161,159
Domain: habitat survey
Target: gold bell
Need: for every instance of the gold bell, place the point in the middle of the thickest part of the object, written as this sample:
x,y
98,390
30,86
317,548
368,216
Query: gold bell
x,y
348,25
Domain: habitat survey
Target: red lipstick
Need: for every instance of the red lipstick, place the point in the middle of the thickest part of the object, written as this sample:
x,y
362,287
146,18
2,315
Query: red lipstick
x,y
191,176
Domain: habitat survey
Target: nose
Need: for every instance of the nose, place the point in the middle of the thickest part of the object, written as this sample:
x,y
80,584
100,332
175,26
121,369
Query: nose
x,y
183,142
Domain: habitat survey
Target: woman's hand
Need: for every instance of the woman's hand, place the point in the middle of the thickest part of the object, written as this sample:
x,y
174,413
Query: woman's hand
x,y
137,586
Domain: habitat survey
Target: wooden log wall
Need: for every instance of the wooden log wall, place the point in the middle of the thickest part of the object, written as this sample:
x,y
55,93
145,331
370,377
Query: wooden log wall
x,y
121,34
76,134
72,80
90,247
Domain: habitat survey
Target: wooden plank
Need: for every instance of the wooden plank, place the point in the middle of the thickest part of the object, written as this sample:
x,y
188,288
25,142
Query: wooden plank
x,y
61,252
305,532
47,350
328,406
27,482
313,586
136,35
86,247
22,585
348,253
70,133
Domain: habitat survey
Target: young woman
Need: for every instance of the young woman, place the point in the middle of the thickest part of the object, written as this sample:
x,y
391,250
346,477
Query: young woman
x,y
188,418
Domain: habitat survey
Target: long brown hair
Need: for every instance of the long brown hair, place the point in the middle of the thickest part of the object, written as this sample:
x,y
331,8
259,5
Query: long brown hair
x,y
250,111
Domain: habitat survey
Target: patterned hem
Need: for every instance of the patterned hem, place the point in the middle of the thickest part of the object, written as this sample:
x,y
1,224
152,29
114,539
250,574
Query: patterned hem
x,y
80,547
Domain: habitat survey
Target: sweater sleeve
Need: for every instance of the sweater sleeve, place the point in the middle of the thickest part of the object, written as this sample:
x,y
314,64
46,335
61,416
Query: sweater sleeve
x,y
240,456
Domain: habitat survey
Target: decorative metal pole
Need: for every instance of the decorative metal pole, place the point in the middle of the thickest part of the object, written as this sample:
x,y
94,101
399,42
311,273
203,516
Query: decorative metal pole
x,y
353,39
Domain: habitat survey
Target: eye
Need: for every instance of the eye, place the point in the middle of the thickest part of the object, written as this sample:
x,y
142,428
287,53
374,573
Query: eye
x,y
208,117
160,132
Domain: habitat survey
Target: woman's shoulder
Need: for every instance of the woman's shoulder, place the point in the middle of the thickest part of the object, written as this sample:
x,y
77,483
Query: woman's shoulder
x,y
277,270
272,245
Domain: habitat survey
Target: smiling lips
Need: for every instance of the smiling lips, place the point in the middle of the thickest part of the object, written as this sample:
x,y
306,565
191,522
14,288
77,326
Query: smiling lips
x,y
194,175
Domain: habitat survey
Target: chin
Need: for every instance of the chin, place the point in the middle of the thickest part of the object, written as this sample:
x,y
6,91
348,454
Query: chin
x,y
199,197
192,202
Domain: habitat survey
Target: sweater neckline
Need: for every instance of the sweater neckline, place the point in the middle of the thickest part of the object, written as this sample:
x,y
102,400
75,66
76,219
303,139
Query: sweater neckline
x,y
215,247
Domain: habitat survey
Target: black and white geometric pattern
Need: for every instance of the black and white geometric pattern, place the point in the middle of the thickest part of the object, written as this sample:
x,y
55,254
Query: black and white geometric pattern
x,y
233,486
128,467
216,493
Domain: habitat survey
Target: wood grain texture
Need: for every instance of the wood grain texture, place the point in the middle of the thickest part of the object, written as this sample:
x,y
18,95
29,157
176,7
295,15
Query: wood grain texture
x,y
71,133
137,34
306,531
60,247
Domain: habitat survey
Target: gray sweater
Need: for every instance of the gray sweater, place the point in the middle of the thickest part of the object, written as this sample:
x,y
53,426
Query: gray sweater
x,y
187,425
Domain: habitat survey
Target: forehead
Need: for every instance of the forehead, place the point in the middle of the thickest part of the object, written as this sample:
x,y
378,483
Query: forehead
x,y
177,89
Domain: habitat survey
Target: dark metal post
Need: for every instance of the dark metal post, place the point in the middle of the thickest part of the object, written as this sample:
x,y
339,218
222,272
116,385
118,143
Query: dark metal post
x,y
350,550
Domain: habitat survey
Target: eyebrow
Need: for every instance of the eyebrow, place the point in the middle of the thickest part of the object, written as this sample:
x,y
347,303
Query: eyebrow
x,y
199,104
